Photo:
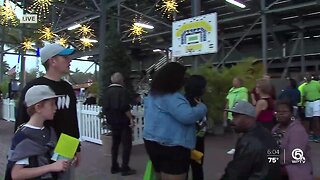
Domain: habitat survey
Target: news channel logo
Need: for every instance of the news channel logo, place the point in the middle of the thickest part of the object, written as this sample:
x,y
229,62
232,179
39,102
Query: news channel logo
x,y
297,155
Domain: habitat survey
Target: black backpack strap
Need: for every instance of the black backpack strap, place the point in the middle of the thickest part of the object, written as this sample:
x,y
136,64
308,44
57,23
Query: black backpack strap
x,y
33,162
8,171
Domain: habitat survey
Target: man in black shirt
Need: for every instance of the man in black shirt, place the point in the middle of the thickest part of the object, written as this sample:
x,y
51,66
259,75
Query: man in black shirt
x,y
56,60
116,107
250,160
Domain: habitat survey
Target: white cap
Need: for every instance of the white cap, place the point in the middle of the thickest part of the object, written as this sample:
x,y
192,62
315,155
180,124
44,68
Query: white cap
x,y
50,50
39,93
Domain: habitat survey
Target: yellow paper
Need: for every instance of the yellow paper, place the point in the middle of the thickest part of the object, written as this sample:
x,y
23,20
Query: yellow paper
x,y
196,155
67,146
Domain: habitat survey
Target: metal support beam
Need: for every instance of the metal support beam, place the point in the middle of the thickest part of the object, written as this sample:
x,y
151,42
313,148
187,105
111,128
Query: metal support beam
x,y
18,53
102,43
118,21
229,44
74,20
22,77
294,49
302,52
279,47
1,54
77,9
272,4
297,64
276,40
264,36
113,3
89,67
13,48
148,36
57,22
79,54
121,18
215,56
238,17
149,17
296,6
54,19
195,8
96,71
80,18
151,8
307,24
96,4
195,11
203,58
238,42
292,7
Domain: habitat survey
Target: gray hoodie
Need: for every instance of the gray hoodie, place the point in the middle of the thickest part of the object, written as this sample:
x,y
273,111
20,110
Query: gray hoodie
x,y
29,142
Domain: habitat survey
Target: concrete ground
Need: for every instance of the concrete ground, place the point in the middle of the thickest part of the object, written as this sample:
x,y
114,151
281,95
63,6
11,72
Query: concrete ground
x,y
96,162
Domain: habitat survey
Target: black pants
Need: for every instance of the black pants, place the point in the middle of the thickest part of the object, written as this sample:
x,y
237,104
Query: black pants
x,y
124,136
173,160
197,170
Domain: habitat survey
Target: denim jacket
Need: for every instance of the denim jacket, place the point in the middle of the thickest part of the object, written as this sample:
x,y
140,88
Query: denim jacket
x,y
170,120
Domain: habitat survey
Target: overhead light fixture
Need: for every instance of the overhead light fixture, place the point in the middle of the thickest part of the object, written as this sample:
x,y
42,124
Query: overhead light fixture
x,y
74,27
234,2
147,26
157,50
89,40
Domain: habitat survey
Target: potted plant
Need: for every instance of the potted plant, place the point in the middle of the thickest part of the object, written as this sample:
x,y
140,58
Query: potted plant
x,y
219,81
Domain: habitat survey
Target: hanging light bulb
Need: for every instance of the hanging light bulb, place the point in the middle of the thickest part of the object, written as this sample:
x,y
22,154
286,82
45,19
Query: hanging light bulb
x,y
27,44
137,29
8,15
46,34
85,31
169,7
85,43
42,7
63,40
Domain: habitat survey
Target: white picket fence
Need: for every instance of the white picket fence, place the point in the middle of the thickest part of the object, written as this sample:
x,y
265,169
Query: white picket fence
x,y
90,125
8,111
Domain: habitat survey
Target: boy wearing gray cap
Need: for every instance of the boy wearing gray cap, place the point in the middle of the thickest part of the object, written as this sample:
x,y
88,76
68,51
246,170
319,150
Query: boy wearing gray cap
x,y
33,143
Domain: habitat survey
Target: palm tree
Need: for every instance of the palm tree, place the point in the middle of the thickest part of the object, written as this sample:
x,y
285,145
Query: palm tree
x,y
4,67
12,37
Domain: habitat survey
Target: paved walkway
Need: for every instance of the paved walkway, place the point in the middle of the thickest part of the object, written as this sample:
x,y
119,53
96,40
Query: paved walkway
x,y
96,163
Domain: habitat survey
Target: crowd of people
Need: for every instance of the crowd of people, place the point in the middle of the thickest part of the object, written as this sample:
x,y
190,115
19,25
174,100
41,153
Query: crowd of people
x,y
265,125
175,123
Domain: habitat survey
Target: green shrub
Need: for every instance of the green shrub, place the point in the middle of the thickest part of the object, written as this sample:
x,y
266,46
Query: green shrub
x,y
4,86
219,81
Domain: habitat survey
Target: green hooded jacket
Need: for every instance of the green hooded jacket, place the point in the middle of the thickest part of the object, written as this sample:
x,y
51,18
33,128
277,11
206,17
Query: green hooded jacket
x,y
235,95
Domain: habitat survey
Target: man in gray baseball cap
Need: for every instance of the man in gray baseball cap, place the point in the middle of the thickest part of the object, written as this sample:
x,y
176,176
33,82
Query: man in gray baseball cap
x,y
51,50
250,160
244,116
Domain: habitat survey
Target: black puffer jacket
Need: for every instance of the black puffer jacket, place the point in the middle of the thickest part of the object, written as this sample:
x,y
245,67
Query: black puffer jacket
x,y
250,161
